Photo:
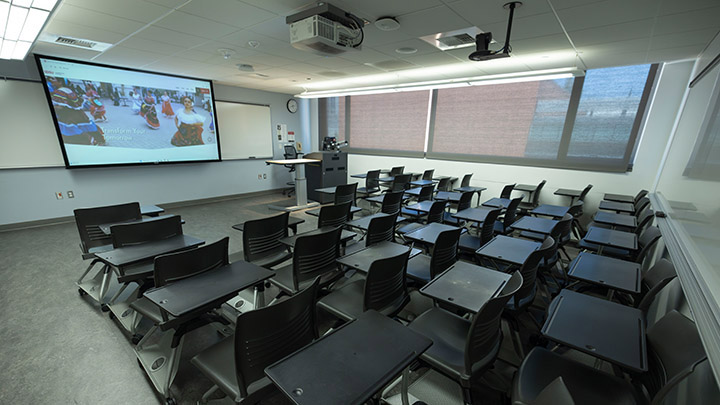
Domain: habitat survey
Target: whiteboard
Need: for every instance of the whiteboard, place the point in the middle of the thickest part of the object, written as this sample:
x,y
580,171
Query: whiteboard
x,y
28,136
245,130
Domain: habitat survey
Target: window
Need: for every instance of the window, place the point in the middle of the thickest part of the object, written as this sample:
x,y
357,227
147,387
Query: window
x,y
588,123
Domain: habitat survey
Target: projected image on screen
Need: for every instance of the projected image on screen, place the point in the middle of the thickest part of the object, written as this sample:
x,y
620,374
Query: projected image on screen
x,y
108,116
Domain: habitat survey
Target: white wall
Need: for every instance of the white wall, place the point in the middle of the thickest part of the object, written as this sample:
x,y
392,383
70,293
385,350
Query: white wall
x,y
663,110
28,194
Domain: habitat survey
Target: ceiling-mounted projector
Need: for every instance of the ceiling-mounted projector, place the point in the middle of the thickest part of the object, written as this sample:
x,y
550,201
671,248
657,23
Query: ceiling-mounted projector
x,y
482,40
325,30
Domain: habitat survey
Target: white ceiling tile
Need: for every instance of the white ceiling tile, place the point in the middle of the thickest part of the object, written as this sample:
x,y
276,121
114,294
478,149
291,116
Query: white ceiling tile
x,y
194,25
230,12
148,45
488,12
167,3
527,27
443,19
178,66
379,8
673,7
274,28
613,33
60,27
601,60
137,10
283,7
438,58
671,54
171,37
606,13
633,45
208,53
331,62
689,21
698,37
565,59
265,59
562,4
98,20
421,46
375,37
540,44
45,48
119,55
367,55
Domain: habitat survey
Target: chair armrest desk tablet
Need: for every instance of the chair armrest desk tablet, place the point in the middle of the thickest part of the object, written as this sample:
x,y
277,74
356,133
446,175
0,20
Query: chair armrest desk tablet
x,y
535,224
364,258
606,272
507,249
613,219
465,285
345,236
547,210
301,201
429,233
612,238
497,202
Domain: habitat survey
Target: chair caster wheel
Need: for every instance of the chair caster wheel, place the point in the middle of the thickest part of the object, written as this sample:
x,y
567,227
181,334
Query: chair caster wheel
x,y
82,292
170,401
104,308
136,339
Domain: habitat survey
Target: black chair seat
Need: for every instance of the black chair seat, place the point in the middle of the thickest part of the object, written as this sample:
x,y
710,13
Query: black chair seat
x,y
607,250
587,385
418,268
526,206
498,228
469,243
148,309
411,213
450,220
449,334
366,190
533,235
345,303
217,363
273,259
414,226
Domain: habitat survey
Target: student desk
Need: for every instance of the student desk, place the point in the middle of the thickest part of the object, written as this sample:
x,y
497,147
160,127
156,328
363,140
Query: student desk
x,y
508,249
497,202
364,258
421,183
534,224
606,272
466,286
547,210
566,192
189,303
351,364
616,206
301,201
527,188
612,238
471,189
429,233
600,328
422,207
619,198
614,219
450,196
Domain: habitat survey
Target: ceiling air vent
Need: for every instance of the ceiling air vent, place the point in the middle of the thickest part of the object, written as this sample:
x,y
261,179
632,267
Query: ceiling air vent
x,y
446,41
74,42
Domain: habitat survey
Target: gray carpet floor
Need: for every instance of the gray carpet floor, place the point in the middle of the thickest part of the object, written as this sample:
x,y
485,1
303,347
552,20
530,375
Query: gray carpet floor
x,y
59,348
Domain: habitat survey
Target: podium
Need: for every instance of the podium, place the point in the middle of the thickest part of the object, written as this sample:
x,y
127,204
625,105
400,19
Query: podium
x,y
301,201
330,170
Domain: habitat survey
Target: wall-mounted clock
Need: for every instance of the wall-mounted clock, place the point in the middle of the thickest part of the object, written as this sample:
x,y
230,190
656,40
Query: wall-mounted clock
x,y
292,105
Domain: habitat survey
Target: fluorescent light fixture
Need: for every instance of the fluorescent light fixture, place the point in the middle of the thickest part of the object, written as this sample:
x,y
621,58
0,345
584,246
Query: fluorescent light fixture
x,y
20,24
548,74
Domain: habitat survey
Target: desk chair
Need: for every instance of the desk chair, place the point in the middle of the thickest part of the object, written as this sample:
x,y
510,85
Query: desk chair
x,y
464,349
425,194
372,185
399,183
93,240
443,184
436,214
507,190
383,289
646,241
343,193
668,368
509,218
314,256
290,153
392,202
141,273
397,170
236,365
423,268
428,174
334,215
469,243
261,240
381,228
534,202
585,192
644,219
463,203
166,348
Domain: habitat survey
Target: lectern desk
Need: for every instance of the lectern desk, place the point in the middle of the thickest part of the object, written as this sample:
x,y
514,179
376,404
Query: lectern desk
x,y
301,201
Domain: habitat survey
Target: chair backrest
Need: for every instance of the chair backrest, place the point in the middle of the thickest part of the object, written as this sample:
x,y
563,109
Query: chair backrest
x,y
261,237
485,334
315,255
345,193
381,228
639,195
385,287
641,203
584,193
511,212
507,190
400,182
465,182
397,170
654,280
529,272
371,180
646,241
392,202
644,220
561,231
268,334
177,266
465,200
290,152
88,219
426,192
444,252
444,184
334,215
576,209
536,194
488,226
146,231
437,210
428,174
555,393
674,350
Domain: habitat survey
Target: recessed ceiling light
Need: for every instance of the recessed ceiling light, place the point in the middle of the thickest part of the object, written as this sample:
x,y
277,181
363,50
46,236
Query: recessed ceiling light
x,y
387,24
253,43
226,53
244,67
406,50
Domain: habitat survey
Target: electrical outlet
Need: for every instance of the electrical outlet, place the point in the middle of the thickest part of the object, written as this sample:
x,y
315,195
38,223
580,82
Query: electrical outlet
x,y
259,176
264,176
70,194
59,195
